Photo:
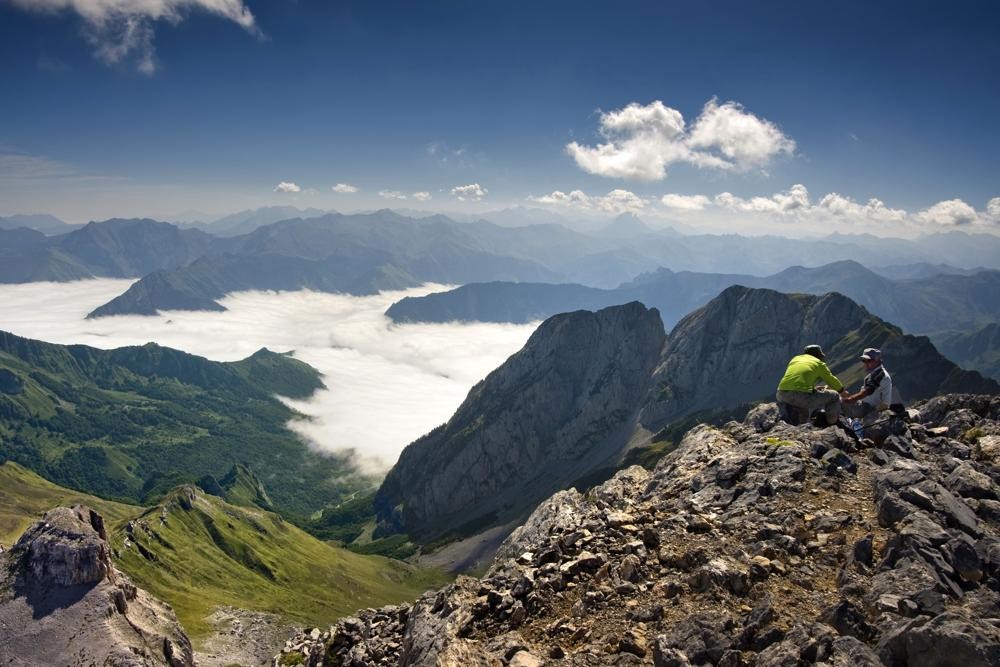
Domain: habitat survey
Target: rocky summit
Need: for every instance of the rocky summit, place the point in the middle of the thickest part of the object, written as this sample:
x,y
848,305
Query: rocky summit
x,y
63,602
588,388
756,543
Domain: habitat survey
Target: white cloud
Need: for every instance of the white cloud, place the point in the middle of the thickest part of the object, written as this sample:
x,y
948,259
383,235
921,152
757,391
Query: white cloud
x,y
795,199
951,212
473,192
846,207
422,196
120,30
643,141
616,201
387,384
727,136
993,209
286,186
391,194
685,202
345,188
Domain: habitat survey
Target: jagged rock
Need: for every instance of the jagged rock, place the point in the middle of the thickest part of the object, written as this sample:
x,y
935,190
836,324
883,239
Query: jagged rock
x,y
66,603
885,565
968,482
946,639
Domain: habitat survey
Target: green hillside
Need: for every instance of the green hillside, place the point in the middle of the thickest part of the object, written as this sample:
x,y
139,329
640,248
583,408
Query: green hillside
x,y
131,423
24,497
198,552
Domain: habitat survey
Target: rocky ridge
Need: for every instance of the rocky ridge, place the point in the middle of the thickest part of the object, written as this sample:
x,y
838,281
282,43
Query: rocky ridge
x,y
63,602
589,387
757,543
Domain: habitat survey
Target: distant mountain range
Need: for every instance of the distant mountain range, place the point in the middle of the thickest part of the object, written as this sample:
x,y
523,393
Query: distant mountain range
x,y
361,253
114,249
133,422
954,301
588,387
979,349
47,224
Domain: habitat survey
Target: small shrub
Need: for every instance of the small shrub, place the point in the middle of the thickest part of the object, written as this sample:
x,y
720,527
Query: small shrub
x,y
973,435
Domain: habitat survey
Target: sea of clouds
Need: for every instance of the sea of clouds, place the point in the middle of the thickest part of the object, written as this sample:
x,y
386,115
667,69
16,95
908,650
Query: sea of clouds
x,y
387,384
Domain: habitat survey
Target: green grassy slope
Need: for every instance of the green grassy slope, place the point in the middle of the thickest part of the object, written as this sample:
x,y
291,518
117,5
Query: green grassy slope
x,y
134,422
198,552
24,497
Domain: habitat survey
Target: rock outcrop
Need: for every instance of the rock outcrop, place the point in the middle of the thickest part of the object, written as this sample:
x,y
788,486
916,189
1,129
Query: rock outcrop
x,y
63,602
587,387
753,544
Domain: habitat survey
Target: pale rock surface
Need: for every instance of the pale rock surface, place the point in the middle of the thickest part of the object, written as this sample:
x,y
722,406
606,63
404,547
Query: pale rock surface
x,y
63,602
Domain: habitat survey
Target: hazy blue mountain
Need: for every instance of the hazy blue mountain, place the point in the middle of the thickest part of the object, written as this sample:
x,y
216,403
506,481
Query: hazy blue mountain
x,y
920,270
197,285
588,387
113,248
962,302
523,216
500,302
245,222
962,249
977,350
356,254
27,255
47,224
627,226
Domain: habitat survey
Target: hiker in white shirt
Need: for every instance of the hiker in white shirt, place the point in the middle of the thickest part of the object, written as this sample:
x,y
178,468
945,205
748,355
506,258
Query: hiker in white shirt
x,y
876,391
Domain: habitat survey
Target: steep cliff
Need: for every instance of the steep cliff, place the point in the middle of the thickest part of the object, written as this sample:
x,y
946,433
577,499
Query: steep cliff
x,y
555,411
757,544
63,602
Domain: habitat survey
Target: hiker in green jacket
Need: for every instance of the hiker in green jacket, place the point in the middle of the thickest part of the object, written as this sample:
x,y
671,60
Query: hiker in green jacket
x,y
798,386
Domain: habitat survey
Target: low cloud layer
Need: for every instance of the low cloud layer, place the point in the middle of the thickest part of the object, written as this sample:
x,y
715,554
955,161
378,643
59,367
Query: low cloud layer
x,y
122,30
642,141
344,188
387,384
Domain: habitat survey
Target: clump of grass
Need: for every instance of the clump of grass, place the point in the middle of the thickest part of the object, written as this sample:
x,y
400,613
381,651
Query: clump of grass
x,y
293,658
973,435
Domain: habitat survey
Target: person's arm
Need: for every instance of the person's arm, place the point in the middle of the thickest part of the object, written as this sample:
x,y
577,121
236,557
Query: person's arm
x,y
831,380
870,386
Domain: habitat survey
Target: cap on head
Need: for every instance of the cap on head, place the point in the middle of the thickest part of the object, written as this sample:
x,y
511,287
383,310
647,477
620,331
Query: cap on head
x,y
814,350
871,354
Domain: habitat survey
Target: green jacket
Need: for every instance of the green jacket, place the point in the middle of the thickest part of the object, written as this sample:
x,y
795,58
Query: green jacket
x,y
804,371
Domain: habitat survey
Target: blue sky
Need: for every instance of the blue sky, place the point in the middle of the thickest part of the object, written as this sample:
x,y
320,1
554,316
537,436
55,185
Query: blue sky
x,y
211,110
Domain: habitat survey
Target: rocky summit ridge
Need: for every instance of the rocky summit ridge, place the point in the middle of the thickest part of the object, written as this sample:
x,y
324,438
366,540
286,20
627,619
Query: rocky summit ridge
x,y
63,602
753,544
587,388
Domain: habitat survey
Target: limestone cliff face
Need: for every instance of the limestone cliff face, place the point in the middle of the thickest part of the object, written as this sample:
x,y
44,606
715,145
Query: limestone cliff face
x,y
558,409
588,386
63,602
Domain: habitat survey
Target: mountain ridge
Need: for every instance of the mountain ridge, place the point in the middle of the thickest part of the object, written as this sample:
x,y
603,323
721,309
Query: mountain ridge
x,y
731,351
